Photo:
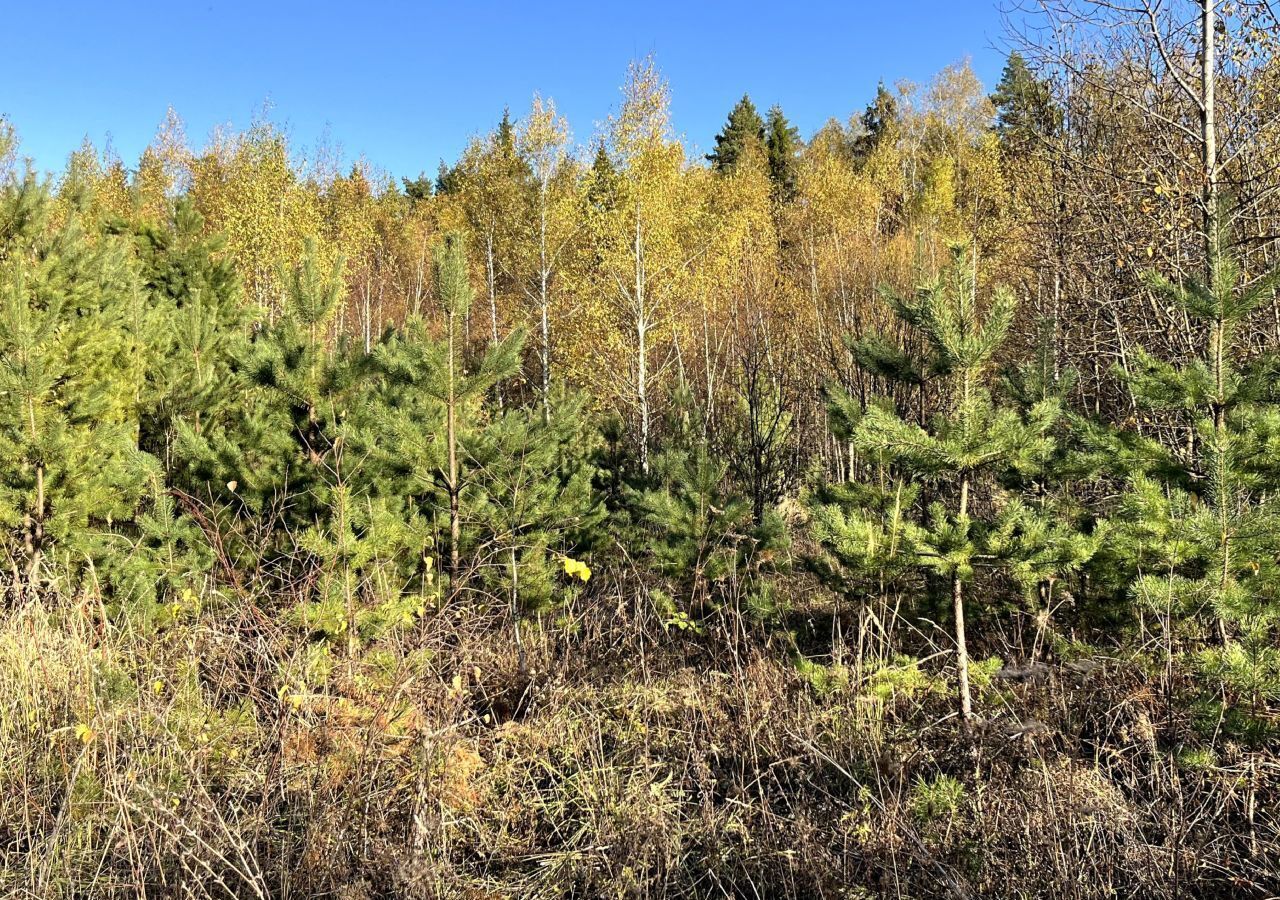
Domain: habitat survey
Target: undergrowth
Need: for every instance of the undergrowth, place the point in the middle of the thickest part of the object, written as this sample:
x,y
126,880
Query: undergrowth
x,y
603,754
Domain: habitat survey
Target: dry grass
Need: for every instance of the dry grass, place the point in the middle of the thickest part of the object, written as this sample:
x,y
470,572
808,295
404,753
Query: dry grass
x,y
227,757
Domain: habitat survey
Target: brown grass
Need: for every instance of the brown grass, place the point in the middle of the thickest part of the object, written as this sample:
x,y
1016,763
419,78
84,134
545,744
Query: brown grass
x,y
228,757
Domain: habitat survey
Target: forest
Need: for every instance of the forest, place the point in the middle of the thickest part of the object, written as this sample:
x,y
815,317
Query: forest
x,y
892,511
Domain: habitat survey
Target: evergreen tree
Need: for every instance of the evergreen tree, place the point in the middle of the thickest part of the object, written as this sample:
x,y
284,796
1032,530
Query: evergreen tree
x,y
782,148
359,547
1043,530
1201,525
602,181
271,444
418,189
70,379
8,151
531,503
878,123
197,324
192,322
698,530
743,132
293,359
957,453
865,533
1026,114
428,400
157,573
448,179
453,288
505,137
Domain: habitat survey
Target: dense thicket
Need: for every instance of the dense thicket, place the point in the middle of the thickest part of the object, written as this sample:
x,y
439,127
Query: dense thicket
x,y
949,433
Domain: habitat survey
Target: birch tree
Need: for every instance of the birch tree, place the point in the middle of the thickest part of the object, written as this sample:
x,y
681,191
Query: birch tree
x,y
645,240
549,224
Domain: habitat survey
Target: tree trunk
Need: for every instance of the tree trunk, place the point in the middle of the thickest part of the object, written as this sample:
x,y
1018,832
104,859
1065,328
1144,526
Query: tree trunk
x,y
544,302
1209,137
515,597
1209,140
451,427
642,337
1208,116
491,280
962,651
34,538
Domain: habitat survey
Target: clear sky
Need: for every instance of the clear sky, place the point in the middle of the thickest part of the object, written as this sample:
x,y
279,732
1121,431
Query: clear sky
x,y
405,84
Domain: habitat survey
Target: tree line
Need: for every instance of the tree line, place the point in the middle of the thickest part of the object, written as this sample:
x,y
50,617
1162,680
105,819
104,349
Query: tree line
x,y
1002,358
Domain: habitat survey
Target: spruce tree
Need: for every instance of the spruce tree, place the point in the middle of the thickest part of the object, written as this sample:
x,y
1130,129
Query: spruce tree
x,y
782,148
602,181
878,122
743,131
504,139
1026,113
8,152
448,179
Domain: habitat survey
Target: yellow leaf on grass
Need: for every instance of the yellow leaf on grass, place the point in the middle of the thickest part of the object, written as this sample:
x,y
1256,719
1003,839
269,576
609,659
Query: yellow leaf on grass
x,y
575,568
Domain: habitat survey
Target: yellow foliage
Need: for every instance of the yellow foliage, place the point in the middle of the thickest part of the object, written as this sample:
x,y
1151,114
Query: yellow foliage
x,y
576,569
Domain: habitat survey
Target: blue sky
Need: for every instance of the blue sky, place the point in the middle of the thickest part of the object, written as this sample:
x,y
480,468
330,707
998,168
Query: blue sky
x,y
405,84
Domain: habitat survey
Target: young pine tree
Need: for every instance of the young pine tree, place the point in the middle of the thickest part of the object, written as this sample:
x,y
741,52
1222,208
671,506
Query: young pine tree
x,y
532,502
867,538
70,378
197,323
422,405
1043,530
960,449
274,426
361,546
1201,523
501,360
698,530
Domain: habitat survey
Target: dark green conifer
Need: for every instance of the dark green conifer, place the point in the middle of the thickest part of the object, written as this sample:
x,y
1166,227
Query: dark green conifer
x,y
1026,113
743,133
782,149
602,181
878,123
418,189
